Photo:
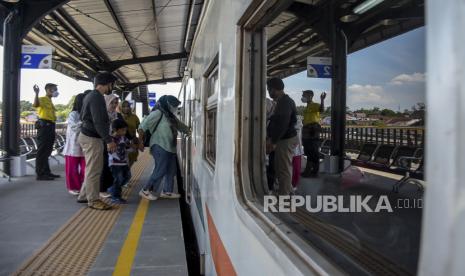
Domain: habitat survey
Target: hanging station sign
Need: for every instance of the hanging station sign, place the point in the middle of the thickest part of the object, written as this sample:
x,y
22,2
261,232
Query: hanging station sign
x,y
36,57
152,97
319,67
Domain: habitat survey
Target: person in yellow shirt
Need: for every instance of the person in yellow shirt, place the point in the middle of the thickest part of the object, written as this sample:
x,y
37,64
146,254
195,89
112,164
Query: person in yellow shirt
x,y
311,132
45,126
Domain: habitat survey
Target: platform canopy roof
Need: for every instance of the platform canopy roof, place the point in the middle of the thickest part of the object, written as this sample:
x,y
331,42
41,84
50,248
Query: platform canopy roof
x,y
302,30
148,41
141,41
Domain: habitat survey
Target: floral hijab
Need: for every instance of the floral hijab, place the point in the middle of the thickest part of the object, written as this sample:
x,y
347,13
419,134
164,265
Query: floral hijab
x,y
112,114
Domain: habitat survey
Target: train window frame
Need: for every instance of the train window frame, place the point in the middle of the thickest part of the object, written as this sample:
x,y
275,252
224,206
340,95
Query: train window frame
x,y
250,146
210,104
303,237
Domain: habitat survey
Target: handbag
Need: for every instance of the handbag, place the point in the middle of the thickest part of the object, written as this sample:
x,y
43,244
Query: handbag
x,y
148,133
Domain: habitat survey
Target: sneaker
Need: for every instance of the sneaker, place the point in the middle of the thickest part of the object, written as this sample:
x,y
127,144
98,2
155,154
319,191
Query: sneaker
x,y
170,195
99,205
105,195
73,192
82,201
147,195
118,200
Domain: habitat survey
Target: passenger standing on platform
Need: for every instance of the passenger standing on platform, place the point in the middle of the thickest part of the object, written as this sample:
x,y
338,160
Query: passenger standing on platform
x,y
119,161
281,134
164,126
75,162
106,179
95,127
311,132
270,175
45,126
298,152
133,126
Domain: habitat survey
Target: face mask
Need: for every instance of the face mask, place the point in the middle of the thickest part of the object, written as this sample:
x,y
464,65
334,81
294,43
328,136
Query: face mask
x,y
55,94
173,109
304,99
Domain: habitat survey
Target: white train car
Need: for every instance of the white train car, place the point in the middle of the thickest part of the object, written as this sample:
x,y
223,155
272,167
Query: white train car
x,y
223,101
232,233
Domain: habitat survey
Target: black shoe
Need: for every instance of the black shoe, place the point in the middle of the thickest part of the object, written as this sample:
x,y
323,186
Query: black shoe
x,y
44,178
82,201
53,175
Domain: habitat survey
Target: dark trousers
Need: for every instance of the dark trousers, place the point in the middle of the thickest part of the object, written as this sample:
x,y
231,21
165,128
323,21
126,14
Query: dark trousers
x,y
45,142
165,167
106,179
270,174
311,143
121,176
311,150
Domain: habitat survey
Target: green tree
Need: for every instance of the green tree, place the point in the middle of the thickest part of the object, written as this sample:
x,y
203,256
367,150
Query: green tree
x,y
327,112
26,113
379,123
388,113
300,110
25,106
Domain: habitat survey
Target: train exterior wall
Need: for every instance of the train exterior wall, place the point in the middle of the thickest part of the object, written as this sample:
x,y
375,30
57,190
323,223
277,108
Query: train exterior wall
x,y
248,247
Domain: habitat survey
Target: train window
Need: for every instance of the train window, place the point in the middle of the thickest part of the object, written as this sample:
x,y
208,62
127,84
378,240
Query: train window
x,y
211,99
383,235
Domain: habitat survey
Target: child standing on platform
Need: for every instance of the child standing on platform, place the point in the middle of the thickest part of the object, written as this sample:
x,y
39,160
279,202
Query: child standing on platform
x,y
119,161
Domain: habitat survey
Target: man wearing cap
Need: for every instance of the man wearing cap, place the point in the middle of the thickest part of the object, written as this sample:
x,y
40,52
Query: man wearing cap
x,y
311,132
95,128
45,130
281,134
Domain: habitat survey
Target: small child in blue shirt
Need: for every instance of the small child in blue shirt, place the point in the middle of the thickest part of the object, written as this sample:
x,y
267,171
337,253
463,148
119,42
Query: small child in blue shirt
x,y
119,161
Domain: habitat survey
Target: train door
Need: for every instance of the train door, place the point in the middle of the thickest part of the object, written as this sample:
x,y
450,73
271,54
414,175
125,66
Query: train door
x,y
187,164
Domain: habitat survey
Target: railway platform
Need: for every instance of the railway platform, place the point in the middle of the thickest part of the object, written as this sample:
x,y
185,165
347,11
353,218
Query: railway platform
x,y
44,231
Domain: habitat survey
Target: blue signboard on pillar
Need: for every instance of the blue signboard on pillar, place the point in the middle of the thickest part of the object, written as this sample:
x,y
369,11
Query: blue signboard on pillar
x,y
152,96
319,67
36,57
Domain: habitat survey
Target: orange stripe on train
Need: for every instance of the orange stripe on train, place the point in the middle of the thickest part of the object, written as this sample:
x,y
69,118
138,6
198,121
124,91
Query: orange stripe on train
x,y
220,256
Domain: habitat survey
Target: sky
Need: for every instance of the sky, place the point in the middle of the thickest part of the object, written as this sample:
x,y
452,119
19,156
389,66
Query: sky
x,y
390,75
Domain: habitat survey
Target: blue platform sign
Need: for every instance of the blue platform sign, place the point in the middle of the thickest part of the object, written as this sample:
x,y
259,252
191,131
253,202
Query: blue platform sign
x,y
152,98
36,57
319,67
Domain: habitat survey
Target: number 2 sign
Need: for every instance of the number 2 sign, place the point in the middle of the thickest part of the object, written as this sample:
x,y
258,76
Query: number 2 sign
x,y
36,57
319,67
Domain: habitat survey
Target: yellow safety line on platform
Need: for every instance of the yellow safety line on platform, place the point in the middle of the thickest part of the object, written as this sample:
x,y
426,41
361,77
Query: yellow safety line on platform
x,y
128,252
73,249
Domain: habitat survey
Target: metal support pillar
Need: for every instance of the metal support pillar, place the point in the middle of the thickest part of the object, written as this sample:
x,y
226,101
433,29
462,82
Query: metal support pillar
x,y
12,28
21,18
338,96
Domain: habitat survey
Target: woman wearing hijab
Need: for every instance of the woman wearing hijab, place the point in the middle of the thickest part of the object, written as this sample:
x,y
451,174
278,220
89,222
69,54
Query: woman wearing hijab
x,y
75,162
106,179
164,127
133,125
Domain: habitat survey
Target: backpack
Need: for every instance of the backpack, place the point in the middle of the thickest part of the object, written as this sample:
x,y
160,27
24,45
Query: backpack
x,y
148,133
